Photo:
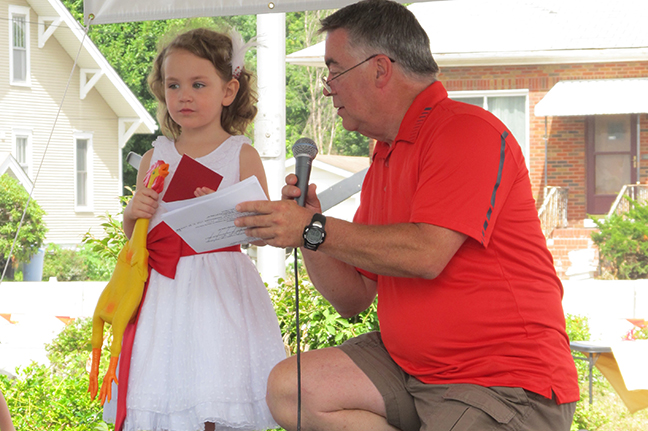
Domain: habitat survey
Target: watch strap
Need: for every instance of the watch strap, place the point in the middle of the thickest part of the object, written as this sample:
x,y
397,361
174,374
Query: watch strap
x,y
317,217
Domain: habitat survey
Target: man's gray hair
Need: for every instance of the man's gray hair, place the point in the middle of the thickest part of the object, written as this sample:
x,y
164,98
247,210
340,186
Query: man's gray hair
x,y
385,27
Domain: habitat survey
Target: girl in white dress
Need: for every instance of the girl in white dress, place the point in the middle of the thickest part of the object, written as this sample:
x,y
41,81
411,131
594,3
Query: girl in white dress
x,y
207,338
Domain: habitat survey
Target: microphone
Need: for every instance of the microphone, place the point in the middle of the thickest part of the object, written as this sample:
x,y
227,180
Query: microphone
x,y
304,151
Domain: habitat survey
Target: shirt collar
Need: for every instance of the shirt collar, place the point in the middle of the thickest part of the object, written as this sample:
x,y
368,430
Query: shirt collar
x,y
415,116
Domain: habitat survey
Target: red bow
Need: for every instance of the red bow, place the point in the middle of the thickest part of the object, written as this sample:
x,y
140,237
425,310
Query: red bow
x,y
166,248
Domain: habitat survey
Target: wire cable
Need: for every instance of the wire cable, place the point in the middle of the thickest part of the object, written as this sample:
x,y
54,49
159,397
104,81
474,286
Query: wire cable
x,y
298,340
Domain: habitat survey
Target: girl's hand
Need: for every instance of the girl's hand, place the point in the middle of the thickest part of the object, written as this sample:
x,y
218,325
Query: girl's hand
x,y
143,205
202,191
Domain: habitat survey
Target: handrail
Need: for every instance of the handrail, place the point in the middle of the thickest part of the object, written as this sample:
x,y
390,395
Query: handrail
x,y
553,212
637,192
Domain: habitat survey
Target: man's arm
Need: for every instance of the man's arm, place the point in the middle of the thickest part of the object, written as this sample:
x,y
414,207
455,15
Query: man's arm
x,y
413,250
341,284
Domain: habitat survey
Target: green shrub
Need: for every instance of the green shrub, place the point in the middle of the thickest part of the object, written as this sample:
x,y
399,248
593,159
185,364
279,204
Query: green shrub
x,y
63,263
56,397
637,333
321,326
110,244
98,266
623,243
41,400
78,264
578,330
586,417
69,353
13,200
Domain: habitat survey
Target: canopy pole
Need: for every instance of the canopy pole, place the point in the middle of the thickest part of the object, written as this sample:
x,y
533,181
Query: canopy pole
x,y
270,126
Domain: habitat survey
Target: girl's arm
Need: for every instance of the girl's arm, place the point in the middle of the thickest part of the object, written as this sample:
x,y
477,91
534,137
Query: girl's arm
x,y
144,202
5,416
250,164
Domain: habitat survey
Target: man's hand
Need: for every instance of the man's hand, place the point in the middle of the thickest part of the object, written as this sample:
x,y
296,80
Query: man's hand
x,y
277,223
280,223
291,192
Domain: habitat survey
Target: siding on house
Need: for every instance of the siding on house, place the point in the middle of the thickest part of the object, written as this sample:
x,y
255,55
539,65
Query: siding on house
x,y
566,160
35,108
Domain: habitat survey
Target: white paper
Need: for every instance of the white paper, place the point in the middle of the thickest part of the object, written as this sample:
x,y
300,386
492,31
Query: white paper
x,y
207,222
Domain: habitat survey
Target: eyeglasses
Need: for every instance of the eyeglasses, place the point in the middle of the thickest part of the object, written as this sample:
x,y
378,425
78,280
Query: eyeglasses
x,y
327,83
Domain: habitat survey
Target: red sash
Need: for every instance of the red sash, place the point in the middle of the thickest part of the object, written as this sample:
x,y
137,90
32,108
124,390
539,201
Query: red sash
x,y
165,250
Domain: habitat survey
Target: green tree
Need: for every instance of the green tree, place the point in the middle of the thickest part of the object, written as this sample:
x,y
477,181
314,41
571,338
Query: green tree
x,y
308,111
13,200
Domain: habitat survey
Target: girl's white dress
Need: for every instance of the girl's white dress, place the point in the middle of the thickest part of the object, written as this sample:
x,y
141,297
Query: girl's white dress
x,y
206,340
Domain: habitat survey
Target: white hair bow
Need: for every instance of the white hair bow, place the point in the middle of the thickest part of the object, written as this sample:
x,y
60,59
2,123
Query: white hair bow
x,y
239,48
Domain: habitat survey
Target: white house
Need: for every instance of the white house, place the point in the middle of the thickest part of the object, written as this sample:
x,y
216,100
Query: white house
x,y
73,158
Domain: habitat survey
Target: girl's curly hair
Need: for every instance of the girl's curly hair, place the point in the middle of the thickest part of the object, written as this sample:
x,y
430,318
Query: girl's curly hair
x,y
217,48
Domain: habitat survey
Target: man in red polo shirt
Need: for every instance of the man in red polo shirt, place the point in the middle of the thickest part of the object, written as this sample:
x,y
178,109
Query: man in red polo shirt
x,y
447,235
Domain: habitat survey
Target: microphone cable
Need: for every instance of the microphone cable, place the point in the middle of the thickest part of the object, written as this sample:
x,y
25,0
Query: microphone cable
x,y
304,151
298,339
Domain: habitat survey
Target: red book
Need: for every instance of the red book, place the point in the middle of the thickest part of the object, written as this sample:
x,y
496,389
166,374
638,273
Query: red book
x,y
190,175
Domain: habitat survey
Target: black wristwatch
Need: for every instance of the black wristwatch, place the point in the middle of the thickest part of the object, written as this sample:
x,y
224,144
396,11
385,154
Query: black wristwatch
x,y
314,233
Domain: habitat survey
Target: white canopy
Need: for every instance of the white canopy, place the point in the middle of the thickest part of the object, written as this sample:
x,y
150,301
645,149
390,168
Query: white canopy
x,y
595,97
110,11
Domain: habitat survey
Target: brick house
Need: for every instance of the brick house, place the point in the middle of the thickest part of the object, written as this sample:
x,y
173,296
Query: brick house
x,y
569,78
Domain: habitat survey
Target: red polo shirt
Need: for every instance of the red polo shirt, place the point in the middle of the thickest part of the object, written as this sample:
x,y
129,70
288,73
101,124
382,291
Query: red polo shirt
x,y
494,316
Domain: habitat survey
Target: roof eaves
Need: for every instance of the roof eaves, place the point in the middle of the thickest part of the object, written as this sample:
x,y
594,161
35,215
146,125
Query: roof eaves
x,y
79,32
541,57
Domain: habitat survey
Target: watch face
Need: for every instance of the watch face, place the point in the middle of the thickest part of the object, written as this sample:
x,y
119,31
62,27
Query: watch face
x,y
313,235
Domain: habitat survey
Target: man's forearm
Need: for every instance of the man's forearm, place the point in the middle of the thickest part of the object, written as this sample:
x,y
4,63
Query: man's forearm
x,y
412,250
340,283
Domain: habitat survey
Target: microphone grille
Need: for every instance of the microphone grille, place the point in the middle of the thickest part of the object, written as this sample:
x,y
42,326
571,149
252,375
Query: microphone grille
x,y
305,146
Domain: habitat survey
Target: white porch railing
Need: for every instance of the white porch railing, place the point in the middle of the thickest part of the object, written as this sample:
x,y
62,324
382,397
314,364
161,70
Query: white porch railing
x,y
637,192
553,212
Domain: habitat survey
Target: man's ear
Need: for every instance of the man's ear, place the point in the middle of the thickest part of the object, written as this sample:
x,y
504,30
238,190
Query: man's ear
x,y
384,70
231,90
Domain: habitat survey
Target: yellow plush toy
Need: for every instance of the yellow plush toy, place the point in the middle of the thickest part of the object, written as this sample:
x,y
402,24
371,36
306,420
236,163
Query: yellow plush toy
x,y
121,297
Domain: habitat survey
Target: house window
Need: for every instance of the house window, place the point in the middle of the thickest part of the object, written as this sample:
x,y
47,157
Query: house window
x,y
19,73
22,150
83,172
510,106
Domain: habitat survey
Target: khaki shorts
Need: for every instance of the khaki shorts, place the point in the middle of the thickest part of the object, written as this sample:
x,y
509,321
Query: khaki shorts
x,y
412,405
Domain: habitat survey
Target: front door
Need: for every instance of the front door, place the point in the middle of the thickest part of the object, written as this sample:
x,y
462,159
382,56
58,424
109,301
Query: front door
x,y
611,159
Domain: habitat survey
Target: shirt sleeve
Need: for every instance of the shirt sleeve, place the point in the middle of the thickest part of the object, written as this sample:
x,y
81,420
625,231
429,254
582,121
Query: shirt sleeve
x,y
466,173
